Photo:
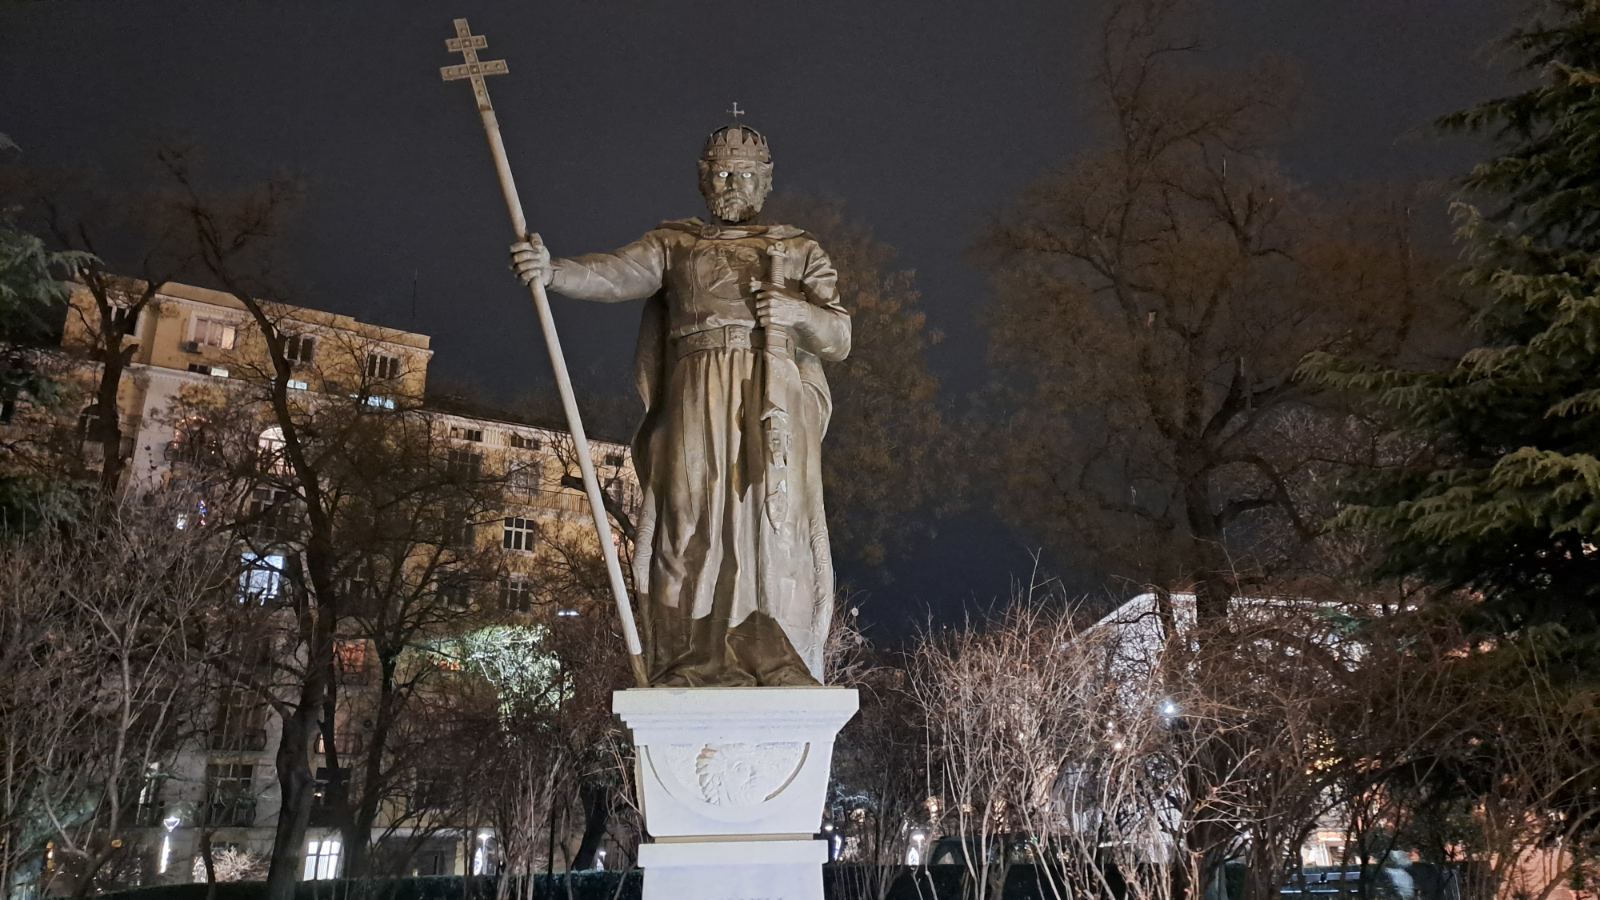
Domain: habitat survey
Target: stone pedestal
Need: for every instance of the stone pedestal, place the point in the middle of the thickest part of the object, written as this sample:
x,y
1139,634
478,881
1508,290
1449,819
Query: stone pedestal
x,y
732,783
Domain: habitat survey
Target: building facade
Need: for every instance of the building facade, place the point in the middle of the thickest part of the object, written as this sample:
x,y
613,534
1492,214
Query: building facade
x,y
196,356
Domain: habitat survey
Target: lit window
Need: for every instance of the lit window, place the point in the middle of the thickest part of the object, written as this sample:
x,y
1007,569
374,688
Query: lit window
x,y
516,594
322,859
299,348
350,655
215,333
519,533
382,366
270,445
262,578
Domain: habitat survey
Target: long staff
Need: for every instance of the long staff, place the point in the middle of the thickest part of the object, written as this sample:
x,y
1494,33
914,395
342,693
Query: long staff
x,y
468,44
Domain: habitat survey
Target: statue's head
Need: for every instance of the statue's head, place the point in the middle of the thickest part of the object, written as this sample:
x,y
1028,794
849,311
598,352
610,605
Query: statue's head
x,y
735,173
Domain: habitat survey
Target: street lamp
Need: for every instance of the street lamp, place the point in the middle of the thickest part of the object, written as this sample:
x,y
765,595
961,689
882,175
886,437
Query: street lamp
x,y
170,823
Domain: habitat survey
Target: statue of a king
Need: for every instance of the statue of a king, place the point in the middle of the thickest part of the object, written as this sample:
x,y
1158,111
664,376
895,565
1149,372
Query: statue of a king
x,y
731,566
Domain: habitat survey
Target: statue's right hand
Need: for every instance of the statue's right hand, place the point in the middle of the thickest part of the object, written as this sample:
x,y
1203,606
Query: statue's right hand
x,y
530,259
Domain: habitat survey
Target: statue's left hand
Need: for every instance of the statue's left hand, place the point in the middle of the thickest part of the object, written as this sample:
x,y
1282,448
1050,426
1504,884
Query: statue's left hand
x,y
779,307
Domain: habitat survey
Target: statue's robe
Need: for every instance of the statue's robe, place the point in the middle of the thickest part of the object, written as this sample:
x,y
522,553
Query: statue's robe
x,y
724,602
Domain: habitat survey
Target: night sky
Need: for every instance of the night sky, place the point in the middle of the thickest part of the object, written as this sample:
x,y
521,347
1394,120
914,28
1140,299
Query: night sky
x,y
922,115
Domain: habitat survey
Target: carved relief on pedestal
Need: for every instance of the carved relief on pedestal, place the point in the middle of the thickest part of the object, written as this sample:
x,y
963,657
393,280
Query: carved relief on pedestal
x,y
730,781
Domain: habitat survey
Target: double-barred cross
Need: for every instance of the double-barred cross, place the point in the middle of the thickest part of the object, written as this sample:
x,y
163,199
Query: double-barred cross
x,y
468,44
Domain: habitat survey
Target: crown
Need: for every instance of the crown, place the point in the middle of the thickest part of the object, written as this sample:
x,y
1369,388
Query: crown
x,y
737,142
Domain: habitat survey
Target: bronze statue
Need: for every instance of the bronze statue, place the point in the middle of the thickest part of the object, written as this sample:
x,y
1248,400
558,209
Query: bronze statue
x,y
732,565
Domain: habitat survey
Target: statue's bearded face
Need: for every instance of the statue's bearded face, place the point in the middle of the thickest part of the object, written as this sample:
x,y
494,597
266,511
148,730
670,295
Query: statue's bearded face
x,y
735,189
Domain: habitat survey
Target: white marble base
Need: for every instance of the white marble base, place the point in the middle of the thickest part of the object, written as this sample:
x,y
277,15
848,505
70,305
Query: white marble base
x,y
732,783
752,870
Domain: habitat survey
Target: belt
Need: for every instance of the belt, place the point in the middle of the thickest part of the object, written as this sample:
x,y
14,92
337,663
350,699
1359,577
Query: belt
x,y
734,337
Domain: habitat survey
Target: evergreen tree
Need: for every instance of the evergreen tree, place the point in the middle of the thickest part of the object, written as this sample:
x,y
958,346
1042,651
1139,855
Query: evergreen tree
x,y
32,293
1503,497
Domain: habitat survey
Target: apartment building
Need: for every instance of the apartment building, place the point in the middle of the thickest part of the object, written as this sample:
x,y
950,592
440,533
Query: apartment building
x,y
190,343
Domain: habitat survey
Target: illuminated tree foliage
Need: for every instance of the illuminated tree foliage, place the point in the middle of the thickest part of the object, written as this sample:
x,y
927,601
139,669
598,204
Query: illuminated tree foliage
x,y
517,661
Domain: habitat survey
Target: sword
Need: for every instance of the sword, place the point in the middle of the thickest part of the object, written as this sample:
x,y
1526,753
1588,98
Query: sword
x,y
468,44
775,428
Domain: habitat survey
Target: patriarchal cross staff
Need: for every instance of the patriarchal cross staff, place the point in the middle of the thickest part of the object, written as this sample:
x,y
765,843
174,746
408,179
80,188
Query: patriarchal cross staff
x,y
474,70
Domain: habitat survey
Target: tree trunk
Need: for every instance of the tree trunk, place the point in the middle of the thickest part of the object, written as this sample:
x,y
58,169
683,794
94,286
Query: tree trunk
x,y
210,864
296,785
108,422
296,782
597,812
363,815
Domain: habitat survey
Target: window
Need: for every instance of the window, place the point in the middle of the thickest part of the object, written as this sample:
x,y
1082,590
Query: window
x,y
230,794
270,447
270,516
347,737
262,578
148,812
213,371
526,477
380,365
516,594
359,584
89,423
455,591
524,442
241,722
350,656
327,798
214,333
192,442
125,318
322,859
458,529
467,434
518,534
437,786
300,348
463,464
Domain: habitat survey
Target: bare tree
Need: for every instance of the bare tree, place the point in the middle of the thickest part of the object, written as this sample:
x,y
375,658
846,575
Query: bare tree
x,y
103,664
879,782
1154,298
